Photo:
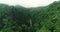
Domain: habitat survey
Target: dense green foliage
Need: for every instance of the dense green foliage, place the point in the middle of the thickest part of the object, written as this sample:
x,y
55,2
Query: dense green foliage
x,y
38,19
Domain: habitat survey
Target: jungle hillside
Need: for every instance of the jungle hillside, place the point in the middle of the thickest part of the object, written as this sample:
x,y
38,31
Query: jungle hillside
x,y
35,19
